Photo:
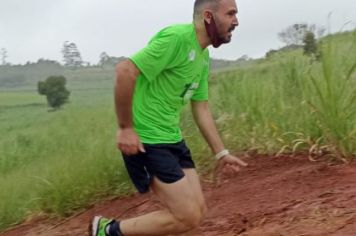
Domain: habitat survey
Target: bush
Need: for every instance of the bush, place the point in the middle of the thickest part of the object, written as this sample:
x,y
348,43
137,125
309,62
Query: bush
x,y
310,46
54,89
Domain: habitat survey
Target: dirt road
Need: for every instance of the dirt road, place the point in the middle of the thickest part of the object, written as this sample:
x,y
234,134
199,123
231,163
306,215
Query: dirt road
x,y
272,197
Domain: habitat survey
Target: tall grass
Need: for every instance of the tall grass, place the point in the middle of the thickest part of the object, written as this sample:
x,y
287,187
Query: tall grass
x,y
292,103
332,96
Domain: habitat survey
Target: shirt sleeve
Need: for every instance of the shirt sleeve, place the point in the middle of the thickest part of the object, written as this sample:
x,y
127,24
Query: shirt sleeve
x,y
158,55
202,92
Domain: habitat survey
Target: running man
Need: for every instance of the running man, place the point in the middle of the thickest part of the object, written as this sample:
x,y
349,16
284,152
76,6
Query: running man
x,y
152,87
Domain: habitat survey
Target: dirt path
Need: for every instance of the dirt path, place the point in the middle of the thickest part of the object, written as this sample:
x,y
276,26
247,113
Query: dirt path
x,y
272,197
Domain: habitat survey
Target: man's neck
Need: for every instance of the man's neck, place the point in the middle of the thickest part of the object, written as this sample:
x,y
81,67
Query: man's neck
x,y
202,36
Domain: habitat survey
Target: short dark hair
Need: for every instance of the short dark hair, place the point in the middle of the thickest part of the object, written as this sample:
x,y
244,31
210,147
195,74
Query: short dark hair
x,y
198,4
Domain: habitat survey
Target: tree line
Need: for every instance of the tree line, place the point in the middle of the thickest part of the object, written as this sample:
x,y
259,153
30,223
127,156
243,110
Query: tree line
x,y
299,34
71,57
303,35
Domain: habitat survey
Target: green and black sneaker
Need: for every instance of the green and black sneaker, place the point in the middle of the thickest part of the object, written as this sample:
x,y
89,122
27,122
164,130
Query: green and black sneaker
x,y
98,226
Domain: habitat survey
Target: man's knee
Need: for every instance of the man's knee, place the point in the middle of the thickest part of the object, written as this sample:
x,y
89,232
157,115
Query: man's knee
x,y
191,217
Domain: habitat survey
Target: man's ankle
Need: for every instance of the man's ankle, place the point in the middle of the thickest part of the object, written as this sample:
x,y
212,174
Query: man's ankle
x,y
113,229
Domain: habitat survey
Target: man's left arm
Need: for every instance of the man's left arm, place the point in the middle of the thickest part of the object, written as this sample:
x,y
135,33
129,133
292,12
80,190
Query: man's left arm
x,y
207,127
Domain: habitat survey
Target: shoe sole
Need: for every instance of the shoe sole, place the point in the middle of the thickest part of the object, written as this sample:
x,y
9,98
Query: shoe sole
x,y
94,226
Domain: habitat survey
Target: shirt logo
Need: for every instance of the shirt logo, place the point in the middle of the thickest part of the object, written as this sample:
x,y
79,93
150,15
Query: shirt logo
x,y
192,55
189,91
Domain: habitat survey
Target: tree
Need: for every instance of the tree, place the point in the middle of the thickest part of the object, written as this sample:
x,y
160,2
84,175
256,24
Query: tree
x,y
104,57
3,54
106,60
294,34
55,91
310,46
270,53
71,55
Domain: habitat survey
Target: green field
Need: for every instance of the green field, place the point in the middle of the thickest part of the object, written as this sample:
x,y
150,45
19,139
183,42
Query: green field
x,y
56,163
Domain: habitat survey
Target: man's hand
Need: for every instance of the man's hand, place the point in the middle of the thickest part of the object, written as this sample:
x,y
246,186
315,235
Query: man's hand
x,y
128,142
229,165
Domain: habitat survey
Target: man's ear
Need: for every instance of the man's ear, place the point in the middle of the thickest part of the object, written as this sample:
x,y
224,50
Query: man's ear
x,y
207,15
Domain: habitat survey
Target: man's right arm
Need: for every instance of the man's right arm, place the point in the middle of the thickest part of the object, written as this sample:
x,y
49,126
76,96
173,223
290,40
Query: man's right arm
x,y
126,74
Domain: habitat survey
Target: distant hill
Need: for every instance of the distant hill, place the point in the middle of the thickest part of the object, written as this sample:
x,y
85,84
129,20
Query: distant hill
x,y
218,64
13,77
287,48
19,77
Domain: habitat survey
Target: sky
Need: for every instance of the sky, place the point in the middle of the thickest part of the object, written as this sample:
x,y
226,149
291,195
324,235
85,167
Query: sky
x,y
34,29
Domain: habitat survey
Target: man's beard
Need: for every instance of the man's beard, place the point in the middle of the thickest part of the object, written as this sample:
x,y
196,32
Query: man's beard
x,y
213,33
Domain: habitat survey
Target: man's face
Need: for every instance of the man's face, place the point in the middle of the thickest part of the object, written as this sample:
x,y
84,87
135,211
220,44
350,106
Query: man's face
x,y
221,22
226,19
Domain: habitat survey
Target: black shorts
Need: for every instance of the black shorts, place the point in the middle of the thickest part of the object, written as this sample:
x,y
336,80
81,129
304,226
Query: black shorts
x,y
165,161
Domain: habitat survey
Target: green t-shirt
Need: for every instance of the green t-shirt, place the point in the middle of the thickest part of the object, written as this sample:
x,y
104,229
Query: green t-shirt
x,y
174,70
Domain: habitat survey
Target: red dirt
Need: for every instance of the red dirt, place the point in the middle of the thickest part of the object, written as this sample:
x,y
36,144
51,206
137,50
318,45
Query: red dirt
x,y
272,197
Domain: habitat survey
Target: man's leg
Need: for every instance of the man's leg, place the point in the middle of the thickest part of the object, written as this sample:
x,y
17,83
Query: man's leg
x,y
183,211
194,182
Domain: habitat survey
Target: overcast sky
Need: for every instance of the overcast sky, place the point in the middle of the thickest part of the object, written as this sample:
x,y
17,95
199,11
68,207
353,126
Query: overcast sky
x,y
33,29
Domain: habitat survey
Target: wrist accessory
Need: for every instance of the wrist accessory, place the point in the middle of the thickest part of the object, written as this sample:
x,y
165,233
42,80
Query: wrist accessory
x,y
222,153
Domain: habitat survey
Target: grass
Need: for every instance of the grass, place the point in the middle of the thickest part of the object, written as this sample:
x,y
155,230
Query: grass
x,y
293,103
22,98
56,163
